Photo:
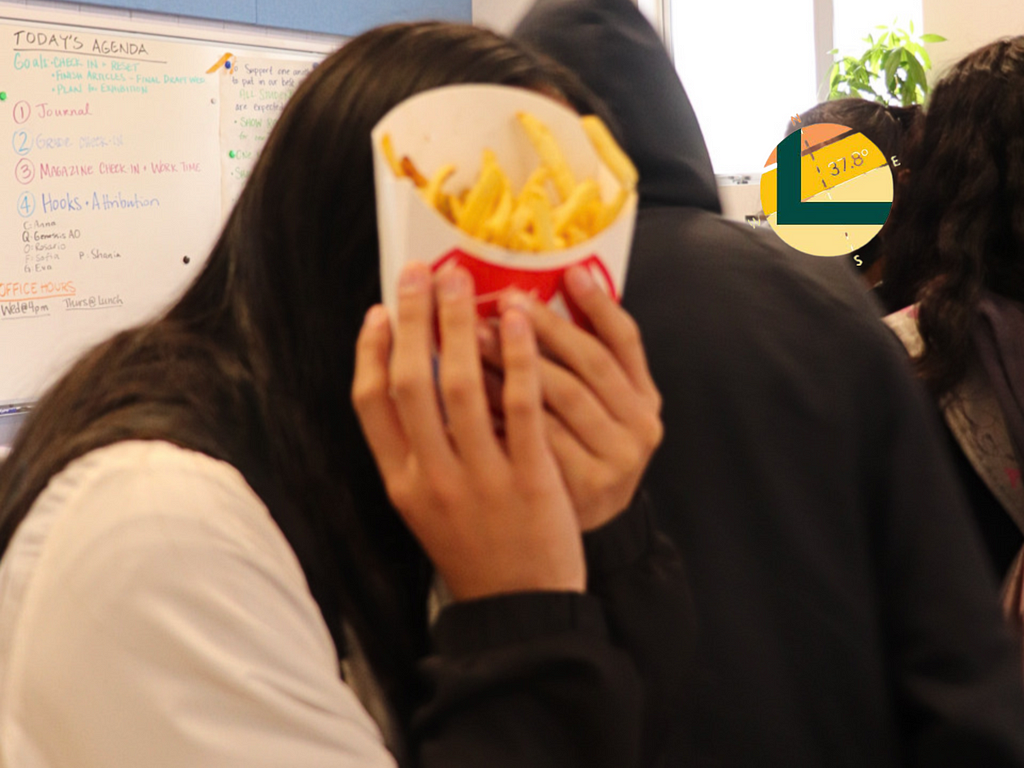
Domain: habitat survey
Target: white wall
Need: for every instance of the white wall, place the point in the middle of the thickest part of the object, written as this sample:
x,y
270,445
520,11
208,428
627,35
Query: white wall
x,y
740,200
500,15
968,25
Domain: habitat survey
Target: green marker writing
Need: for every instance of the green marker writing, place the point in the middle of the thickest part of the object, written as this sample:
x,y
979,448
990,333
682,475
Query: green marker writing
x,y
231,154
3,95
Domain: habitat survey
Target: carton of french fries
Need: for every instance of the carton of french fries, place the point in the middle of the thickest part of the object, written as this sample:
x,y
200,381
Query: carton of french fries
x,y
509,184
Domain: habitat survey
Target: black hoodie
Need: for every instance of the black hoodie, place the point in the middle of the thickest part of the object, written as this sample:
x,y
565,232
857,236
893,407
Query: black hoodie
x,y
845,613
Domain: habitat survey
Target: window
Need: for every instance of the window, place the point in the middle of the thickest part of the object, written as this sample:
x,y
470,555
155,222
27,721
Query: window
x,y
748,67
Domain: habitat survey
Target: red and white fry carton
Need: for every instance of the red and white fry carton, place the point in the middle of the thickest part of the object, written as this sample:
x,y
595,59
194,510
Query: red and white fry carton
x,y
455,124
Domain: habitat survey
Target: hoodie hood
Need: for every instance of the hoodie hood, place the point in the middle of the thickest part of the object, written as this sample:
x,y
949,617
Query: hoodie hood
x,y
618,55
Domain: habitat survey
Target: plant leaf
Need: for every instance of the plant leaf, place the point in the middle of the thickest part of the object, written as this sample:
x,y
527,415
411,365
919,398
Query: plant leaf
x,y
916,78
913,47
892,60
891,69
915,70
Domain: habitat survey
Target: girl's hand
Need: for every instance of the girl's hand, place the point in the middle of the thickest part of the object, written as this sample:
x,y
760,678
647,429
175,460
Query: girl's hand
x,y
603,408
494,516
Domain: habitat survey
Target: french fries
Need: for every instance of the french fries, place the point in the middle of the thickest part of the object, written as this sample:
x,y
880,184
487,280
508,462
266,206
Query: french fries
x,y
550,153
610,152
532,219
410,170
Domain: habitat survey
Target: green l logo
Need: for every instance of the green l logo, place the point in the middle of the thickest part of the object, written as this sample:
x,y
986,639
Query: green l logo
x,y
792,210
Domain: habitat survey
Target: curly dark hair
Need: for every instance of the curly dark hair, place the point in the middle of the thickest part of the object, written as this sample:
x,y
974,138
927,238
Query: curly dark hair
x,y
959,227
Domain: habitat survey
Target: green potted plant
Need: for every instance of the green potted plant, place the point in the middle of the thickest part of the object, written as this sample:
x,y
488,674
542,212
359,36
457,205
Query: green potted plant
x,y
892,69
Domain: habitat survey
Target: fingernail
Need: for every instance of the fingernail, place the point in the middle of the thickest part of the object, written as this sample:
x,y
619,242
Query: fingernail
x,y
376,316
580,279
414,278
514,299
516,324
484,334
453,284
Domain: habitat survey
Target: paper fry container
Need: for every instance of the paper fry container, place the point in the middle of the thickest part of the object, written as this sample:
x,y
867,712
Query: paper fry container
x,y
454,125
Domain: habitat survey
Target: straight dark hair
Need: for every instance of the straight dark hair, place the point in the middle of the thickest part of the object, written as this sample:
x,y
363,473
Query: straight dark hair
x,y
253,365
959,227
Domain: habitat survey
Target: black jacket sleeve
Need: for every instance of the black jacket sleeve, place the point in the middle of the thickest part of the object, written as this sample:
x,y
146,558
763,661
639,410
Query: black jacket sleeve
x,y
562,679
637,574
528,679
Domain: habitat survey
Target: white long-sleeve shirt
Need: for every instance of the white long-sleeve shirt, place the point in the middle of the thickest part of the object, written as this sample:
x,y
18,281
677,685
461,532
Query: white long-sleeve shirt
x,y
152,614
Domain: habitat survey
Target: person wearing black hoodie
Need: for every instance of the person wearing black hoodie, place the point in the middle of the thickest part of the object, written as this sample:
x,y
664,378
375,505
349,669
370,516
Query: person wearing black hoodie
x,y
845,613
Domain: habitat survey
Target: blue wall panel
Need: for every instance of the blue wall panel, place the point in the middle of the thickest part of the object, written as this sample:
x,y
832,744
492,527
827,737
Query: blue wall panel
x,y
242,11
355,16
345,17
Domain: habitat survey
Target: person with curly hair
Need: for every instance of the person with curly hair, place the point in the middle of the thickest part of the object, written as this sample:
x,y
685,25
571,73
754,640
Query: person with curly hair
x,y
955,255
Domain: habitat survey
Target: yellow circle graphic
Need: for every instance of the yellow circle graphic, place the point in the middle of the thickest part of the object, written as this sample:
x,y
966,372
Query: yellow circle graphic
x,y
826,189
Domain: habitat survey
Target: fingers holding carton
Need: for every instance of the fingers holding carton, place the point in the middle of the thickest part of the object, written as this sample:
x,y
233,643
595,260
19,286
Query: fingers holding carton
x,y
602,407
495,518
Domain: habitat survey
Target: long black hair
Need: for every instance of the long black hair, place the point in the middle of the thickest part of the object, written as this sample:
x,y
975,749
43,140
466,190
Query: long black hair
x,y
959,227
253,365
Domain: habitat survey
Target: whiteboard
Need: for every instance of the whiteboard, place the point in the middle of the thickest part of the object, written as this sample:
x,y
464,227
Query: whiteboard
x,y
122,154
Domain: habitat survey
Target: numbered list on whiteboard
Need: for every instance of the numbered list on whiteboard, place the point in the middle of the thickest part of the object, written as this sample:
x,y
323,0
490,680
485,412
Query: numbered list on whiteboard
x,y
111,196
